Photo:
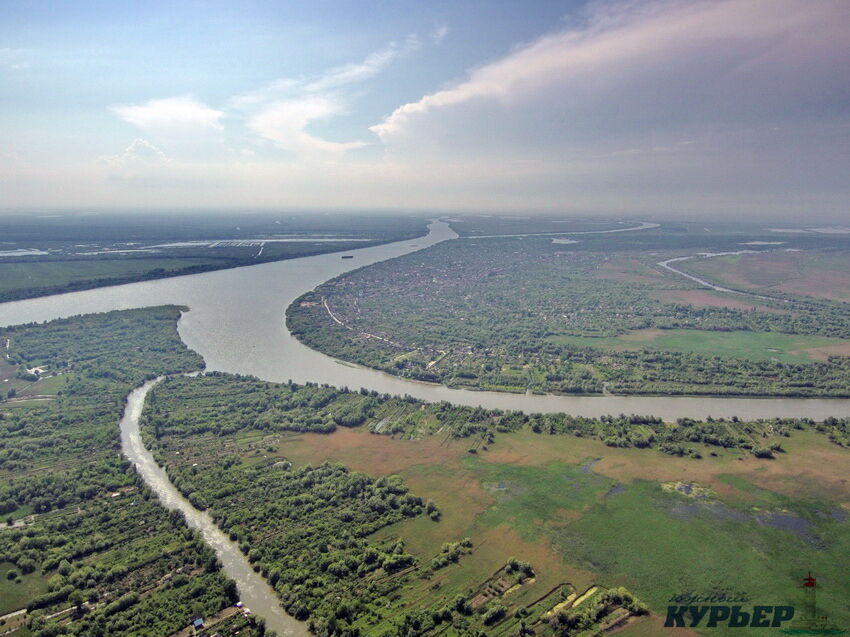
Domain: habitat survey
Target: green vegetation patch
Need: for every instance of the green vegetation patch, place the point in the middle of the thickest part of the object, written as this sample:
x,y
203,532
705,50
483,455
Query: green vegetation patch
x,y
327,538
520,314
737,344
533,499
59,274
85,548
663,543
17,588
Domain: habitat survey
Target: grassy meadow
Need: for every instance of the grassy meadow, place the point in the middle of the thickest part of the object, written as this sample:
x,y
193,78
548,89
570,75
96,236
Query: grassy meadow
x,y
820,274
790,348
54,274
584,514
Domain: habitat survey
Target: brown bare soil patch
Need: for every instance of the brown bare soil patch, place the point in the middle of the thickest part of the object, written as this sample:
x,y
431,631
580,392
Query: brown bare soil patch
x,y
548,563
526,449
497,544
370,453
431,470
825,284
813,274
642,336
823,353
461,499
750,270
813,467
704,298
769,269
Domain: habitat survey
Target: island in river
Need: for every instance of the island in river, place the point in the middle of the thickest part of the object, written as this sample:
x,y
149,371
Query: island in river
x,y
605,313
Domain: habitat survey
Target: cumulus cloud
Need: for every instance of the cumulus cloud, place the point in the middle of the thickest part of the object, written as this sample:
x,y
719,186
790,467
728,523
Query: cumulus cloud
x,y
633,68
140,158
171,114
284,122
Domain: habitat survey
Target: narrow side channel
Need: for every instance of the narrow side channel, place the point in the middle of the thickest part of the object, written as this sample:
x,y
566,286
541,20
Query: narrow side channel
x,y
254,591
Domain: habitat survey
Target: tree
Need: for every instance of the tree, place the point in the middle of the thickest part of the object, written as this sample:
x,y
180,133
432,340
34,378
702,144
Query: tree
x,y
77,599
64,567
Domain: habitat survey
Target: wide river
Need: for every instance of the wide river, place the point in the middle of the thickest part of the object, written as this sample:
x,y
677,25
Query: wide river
x,y
237,323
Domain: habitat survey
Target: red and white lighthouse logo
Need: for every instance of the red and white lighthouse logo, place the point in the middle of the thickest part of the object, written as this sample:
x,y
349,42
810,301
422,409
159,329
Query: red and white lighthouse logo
x,y
812,623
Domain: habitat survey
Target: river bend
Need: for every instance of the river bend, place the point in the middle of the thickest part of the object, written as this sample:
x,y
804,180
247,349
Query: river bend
x,y
237,324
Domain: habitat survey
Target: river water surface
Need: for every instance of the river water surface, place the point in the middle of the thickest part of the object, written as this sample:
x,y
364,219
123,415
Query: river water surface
x,y
254,592
237,324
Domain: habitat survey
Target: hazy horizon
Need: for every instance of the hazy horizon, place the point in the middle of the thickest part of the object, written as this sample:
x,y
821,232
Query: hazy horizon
x,y
671,217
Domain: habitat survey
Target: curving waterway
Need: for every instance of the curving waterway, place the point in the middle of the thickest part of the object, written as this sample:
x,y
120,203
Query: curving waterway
x,y
237,324
717,288
254,592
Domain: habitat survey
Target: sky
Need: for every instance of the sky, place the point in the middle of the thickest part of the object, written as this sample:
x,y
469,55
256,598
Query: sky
x,y
721,109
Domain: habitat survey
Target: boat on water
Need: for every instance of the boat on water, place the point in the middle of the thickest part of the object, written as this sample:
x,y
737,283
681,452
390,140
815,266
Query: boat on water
x,y
348,256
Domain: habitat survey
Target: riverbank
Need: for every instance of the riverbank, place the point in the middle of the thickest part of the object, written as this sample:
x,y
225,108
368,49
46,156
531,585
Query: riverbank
x,y
237,325
254,591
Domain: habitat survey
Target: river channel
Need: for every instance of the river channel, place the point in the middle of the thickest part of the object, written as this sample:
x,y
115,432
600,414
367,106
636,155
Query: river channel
x,y
237,324
254,592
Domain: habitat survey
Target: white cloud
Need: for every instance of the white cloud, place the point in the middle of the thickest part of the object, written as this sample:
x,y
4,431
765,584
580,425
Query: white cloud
x,y
368,68
635,66
171,115
282,110
330,81
140,158
284,122
719,107
12,59
657,105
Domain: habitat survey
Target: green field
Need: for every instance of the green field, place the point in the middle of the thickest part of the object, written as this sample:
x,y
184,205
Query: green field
x,y
791,348
49,274
49,385
585,514
20,589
